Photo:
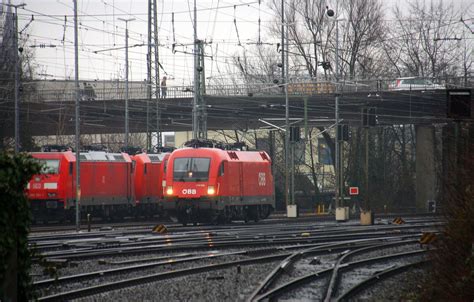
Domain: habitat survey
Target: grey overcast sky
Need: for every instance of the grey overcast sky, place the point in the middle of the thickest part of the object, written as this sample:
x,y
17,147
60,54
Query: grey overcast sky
x,y
224,22
101,29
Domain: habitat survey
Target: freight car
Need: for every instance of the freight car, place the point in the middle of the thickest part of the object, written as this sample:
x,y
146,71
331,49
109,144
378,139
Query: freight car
x,y
214,185
106,185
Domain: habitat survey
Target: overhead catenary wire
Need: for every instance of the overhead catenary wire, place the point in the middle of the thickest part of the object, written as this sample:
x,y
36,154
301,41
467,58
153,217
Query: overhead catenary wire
x,y
222,51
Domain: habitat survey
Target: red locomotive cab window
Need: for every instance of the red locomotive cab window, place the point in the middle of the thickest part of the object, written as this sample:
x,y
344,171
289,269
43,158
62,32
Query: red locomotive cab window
x,y
49,166
71,168
191,169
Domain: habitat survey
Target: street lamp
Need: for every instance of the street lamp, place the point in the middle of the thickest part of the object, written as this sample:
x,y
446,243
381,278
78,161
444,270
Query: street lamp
x,y
126,79
341,214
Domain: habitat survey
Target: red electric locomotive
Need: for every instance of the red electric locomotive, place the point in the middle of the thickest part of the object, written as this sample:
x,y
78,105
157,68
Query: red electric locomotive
x,y
148,182
49,191
106,184
209,184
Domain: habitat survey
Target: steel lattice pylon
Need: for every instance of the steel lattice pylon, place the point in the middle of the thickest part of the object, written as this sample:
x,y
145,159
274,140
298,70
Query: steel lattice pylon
x,y
153,79
200,110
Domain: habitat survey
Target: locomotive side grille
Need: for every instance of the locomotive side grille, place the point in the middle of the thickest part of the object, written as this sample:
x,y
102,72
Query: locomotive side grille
x,y
154,158
119,158
232,155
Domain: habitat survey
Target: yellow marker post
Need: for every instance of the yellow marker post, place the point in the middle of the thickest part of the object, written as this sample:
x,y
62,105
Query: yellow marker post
x,y
160,228
398,220
427,238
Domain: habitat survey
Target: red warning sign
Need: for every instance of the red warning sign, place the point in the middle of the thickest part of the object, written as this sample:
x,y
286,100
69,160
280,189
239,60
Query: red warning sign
x,y
353,190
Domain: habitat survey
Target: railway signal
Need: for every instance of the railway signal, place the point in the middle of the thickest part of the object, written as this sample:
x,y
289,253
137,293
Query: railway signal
x,y
459,103
369,117
353,190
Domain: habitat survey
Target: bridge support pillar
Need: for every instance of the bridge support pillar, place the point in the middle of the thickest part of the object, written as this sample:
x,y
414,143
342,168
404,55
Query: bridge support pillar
x,y
425,167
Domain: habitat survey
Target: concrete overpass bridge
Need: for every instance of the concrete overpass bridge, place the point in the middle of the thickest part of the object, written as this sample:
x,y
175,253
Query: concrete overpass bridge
x,y
50,111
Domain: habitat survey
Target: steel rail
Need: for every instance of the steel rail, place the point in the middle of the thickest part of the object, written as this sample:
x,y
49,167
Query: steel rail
x,y
90,252
309,217
379,277
283,228
272,276
154,277
187,258
278,291
102,273
334,277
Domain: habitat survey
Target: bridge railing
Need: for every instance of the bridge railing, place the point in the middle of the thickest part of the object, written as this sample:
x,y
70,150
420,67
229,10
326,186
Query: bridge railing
x,y
105,94
296,87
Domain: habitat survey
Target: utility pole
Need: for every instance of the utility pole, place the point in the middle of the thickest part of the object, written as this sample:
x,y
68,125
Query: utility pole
x,y
367,203
153,74
202,91
126,79
338,163
196,78
291,207
368,119
77,115
17,75
341,212
199,108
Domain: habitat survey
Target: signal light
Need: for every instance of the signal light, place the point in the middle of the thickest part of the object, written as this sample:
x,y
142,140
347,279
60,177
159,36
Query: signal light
x,y
369,117
343,132
211,190
169,190
459,103
295,134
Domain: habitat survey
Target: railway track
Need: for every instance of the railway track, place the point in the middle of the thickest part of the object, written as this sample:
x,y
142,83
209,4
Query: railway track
x,y
330,277
99,244
86,266
97,225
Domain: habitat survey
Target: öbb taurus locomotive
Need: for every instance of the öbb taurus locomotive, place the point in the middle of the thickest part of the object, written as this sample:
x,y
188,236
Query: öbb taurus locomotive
x,y
209,184
111,185
192,184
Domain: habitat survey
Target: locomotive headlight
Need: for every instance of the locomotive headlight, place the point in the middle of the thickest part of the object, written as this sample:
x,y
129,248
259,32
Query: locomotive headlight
x,y
211,190
169,190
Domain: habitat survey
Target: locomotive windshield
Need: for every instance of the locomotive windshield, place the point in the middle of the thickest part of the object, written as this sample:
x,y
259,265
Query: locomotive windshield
x,y
49,166
191,169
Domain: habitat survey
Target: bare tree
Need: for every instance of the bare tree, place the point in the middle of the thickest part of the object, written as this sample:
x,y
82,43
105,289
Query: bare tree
x,y
423,38
7,75
8,55
362,34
